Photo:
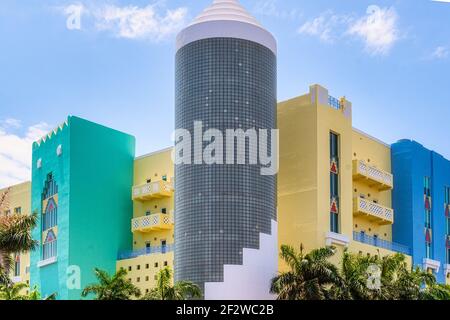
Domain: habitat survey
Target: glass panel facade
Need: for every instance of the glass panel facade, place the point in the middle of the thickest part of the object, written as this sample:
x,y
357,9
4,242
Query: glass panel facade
x,y
220,209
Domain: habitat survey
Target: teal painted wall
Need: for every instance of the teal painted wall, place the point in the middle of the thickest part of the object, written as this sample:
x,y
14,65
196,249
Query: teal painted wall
x,y
94,176
100,197
51,278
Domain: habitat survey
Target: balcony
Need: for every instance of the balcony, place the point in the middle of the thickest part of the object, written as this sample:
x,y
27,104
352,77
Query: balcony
x,y
157,221
377,178
373,211
380,243
152,190
131,254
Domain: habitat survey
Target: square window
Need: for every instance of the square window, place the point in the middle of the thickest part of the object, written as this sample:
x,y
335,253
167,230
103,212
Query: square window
x,y
165,263
138,279
147,278
138,267
156,264
129,268
147,266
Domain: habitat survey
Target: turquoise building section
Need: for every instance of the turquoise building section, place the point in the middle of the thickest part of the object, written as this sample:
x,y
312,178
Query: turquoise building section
x,y
422,184
82,175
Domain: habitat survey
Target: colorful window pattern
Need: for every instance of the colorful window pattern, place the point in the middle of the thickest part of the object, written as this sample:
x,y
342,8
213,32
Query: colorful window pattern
x,y
49,218
428,218
16,265
334,182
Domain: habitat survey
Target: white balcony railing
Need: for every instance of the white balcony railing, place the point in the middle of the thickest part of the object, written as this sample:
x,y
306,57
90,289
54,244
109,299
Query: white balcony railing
x,y
377,212
376,177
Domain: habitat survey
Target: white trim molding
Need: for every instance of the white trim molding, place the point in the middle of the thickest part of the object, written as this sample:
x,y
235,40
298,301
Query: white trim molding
x,y
333,238
16,279
446,269
47,262
431,264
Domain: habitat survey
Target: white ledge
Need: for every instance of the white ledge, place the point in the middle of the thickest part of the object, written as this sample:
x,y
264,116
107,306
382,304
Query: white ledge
x,y
336,238
446,269
16,279
47,262
431,264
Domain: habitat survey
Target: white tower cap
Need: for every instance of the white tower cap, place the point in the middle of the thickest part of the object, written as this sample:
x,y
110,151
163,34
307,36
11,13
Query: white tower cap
x,y
226,19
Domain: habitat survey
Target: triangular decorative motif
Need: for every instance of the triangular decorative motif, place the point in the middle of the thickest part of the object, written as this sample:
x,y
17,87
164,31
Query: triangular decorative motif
x,y
334,206
428,235
50,236
334,167
51,205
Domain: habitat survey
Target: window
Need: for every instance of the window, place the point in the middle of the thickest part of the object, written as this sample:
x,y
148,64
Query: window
x,y
138,279
149,180
163,246
49,248
18,210
129,268
147,278
156,264
165,263
164,178
147,266
138,267
164,210
428,219
17,266
148,213
334,182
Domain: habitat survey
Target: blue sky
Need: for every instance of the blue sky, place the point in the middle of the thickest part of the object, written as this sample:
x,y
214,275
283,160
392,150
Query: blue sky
x,y
390,58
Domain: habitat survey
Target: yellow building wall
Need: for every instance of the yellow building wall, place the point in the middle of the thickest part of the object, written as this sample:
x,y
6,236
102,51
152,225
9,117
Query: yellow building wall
x,y
305,124
142,270
376,154
18,196
152,167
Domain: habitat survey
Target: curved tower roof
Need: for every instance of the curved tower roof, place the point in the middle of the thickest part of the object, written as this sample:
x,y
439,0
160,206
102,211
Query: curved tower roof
x,y
226,19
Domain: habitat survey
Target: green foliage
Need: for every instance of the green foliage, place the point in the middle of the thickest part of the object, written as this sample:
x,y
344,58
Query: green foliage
x,y
115,287
313,277
15,237
164,290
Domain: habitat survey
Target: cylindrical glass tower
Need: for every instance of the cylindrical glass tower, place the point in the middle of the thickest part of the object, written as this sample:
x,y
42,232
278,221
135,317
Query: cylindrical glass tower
x,y
225,227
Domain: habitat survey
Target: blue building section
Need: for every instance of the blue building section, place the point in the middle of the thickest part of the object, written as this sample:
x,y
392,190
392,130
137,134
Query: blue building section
x,y
421,203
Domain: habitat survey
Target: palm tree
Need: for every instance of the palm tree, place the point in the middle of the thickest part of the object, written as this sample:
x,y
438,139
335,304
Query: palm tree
x,y
36,295
15,237
436,292
309,277
354,274
12,291
115,287
164,290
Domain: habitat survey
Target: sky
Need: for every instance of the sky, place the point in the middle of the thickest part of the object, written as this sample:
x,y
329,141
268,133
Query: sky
x,y
112,62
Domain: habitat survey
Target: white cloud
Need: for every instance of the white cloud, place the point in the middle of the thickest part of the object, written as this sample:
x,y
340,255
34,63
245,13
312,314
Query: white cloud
x,y
378,29
271,8
440,53
11,123
16,150
326,26
153,22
